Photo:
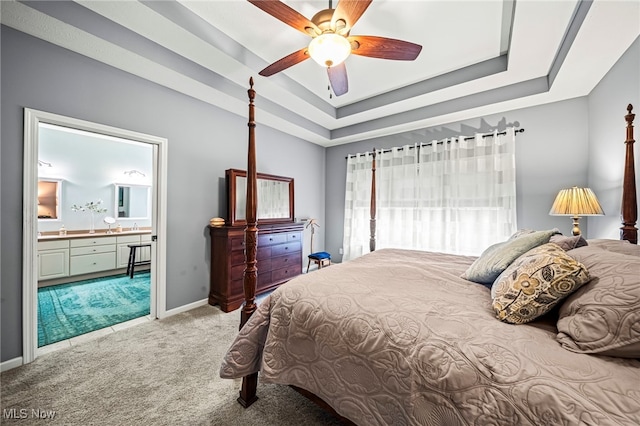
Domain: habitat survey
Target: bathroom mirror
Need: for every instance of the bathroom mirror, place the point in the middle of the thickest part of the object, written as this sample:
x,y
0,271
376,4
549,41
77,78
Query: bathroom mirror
x,y
275,198
49,199
132,201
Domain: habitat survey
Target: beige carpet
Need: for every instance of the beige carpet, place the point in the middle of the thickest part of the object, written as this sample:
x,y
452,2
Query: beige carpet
x,y
163,372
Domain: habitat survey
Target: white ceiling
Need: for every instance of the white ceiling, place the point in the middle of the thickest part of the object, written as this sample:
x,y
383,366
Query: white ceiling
x,y
479,57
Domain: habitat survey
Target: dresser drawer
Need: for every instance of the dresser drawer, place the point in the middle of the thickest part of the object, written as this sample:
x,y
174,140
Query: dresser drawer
x,y
85,242
92,263
284,274
287,248
264,265
286,260
264,280
237,243
78,251
294,236
271,239
237,257
237,271
264,253
237,286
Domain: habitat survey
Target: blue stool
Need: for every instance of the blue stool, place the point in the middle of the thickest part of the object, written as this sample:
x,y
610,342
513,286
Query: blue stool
x,y
322,258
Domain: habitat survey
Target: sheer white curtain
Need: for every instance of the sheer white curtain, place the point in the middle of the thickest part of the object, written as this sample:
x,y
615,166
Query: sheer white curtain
x,y
357,206
453,196
398,187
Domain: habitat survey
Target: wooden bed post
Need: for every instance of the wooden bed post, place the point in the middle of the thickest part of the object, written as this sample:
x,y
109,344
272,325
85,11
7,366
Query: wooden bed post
x,y
250,383
372,221
629,210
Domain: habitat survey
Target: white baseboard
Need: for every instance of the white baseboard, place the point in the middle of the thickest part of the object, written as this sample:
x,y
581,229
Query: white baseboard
x,y
12,363
185,308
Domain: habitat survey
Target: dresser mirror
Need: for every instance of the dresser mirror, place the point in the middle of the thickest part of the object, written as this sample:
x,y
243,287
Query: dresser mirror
x,y
132,201
275,198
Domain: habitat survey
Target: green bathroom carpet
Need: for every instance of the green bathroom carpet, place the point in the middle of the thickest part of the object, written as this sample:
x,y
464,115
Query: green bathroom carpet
x,y
69,310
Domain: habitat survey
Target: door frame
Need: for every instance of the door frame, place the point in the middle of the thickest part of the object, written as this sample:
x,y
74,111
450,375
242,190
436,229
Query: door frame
x,y
32,119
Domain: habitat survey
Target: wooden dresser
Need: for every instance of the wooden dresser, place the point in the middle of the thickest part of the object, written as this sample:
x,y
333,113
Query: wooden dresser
x,y
279,259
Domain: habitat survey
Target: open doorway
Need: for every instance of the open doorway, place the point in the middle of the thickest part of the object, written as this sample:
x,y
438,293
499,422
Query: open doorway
x,y
110,192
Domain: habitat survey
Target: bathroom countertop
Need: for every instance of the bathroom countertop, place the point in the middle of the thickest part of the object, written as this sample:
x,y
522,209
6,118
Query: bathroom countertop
x,y
83,234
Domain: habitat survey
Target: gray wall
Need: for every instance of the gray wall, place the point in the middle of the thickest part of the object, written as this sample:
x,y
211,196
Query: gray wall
x,y
607,106
204,141
551,154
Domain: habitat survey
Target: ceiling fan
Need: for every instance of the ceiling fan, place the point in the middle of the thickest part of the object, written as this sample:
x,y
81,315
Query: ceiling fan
x,y
331,43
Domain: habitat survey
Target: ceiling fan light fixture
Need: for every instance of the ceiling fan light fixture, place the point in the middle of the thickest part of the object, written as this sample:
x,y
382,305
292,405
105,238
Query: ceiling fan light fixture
x,y
329,49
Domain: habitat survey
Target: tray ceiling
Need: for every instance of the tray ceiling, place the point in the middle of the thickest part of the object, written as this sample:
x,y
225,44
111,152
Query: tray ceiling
x,y
478,57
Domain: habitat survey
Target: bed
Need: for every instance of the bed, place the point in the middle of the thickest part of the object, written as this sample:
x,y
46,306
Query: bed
x,y
418,344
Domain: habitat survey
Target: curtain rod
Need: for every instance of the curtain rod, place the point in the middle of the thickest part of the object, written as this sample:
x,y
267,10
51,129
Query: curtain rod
x,y
486,135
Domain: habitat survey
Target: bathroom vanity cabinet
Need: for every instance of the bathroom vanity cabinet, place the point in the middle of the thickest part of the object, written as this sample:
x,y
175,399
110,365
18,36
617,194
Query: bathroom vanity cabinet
x,y
85,254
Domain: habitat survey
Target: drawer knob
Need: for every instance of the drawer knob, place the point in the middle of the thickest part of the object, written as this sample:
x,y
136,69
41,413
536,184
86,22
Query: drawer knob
x,y
94,263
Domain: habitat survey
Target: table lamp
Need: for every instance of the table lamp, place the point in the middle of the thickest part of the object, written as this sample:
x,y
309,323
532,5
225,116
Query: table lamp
x,y
576,202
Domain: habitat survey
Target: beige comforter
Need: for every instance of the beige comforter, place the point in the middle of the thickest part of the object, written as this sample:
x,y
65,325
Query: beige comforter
x,y
397,338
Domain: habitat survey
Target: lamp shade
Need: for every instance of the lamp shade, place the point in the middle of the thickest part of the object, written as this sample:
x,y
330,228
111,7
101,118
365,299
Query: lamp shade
x,y
576,202
329,49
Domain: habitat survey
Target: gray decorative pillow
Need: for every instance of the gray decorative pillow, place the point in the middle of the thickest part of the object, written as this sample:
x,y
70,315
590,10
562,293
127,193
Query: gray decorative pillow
x,y
603,317
496,258
521,232
533,284
568,243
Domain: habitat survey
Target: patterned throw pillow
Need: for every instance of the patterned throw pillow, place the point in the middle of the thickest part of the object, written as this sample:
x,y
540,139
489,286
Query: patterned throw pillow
x,y
497,257
533,284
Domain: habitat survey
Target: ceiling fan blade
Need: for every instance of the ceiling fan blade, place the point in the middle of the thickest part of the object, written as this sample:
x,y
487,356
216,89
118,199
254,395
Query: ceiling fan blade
x,y
349,11
289,16
384,48
286,62
338,79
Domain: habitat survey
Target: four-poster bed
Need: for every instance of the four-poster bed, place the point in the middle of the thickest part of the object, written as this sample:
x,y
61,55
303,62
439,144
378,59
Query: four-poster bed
x,y
398,337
